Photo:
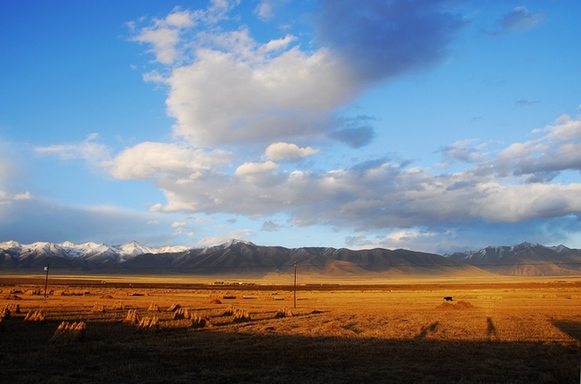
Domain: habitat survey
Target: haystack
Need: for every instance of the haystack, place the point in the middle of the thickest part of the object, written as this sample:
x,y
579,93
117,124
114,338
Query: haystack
x,y
173,308
284,312
37,316
14,308
118,305
181,313
241,316
153,308
98,308
200,322
70,332
230,311
149,324
132,317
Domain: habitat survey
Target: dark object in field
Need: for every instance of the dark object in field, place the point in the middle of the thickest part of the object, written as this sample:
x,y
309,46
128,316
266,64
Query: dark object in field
x,y
448,298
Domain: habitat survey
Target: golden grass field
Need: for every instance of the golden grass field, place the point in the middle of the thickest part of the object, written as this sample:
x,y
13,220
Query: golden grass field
x,y
398,331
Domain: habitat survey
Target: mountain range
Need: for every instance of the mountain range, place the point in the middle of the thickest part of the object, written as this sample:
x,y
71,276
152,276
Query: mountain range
x,y
247,259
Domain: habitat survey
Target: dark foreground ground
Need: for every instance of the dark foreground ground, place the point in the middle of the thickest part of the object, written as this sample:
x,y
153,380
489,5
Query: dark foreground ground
x,y
124,356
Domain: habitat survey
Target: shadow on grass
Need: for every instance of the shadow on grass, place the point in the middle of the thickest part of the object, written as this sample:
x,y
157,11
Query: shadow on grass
x,y
115,352
571,328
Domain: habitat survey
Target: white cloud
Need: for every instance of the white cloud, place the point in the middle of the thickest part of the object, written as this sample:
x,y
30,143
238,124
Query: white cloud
x,y
89,150
286,151
150,159
239,234
265,9
225,98
178,224
247,169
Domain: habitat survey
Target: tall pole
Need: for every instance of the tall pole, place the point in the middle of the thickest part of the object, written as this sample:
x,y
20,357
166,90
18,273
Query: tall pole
x,y
46,280
295,296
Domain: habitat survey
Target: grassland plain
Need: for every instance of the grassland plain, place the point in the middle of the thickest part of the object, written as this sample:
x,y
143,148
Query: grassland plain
x,y
501,331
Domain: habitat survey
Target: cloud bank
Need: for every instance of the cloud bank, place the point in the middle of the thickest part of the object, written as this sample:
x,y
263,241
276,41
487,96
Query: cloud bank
x,y
250,116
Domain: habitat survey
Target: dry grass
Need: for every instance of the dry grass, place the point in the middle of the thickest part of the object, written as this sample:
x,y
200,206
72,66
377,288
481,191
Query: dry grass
x,y
514,333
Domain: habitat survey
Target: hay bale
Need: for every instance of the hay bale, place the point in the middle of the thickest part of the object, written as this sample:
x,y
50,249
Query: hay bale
x,y
131,317
14,308
284,312
173,308
201,322
149,324
70,331
36,316
153,308
98,308
241,316
215,301
181,313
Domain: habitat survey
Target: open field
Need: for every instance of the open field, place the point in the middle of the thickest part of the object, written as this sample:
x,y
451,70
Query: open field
x,y
511,331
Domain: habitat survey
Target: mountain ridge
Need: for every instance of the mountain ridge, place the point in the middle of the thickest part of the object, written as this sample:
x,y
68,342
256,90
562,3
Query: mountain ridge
x,y
237,257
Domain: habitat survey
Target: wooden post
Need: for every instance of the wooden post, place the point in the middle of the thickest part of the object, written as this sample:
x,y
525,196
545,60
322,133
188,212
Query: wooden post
x,y
295,296
46,281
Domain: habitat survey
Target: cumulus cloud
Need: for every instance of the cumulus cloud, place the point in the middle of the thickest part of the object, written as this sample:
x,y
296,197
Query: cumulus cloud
x,y
387,194
286,151
255,168
164,35
149,159
243,96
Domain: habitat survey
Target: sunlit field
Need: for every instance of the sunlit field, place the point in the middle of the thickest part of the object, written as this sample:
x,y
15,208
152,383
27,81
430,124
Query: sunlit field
x,y
140,330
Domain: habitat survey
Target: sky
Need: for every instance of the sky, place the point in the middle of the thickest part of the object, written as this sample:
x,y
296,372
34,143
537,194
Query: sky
x,y
431,125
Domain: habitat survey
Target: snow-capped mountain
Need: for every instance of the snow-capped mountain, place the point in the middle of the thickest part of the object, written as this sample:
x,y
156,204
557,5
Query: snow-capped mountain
x,y
90,251
245,258
525,259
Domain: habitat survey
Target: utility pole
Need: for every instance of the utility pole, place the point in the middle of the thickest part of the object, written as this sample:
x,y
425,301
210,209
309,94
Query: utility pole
x,y
46,281
295,296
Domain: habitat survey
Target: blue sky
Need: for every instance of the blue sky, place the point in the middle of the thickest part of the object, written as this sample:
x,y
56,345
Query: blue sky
x,y
429,125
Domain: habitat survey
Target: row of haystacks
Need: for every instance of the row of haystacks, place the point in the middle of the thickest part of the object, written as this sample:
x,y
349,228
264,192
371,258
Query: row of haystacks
x,y
35,316
8,310
70,332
